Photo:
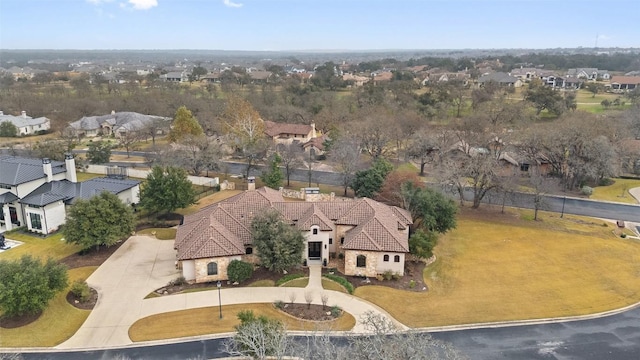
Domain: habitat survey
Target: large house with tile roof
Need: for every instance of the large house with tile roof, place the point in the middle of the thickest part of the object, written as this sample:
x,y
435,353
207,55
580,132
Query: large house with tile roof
x,y
35,193
116,123
372,237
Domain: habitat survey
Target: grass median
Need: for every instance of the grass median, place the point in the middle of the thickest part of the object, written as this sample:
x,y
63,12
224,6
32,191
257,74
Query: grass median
x,y
618,191
497,267
202,321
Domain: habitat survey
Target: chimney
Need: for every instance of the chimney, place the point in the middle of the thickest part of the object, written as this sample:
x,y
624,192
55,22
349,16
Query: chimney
x,y
24,114
251,183
70,165
313,130
46,167
113,112
1,112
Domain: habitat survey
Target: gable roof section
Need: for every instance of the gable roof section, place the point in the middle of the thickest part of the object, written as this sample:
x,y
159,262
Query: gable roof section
x,y
8,197
625,80
69,192
208,238
22,121
274,129
376,235
18,170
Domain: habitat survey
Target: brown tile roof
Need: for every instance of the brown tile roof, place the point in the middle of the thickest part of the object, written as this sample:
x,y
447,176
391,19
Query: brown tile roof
x,y
224,229
274,129
626,80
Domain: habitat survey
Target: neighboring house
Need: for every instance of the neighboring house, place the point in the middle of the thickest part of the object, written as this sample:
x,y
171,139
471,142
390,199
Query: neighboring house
x,y
356,80
589,74
282,133
372,237
260,77
525,74
315,146
116,123
175,76
500,78
35,193
27,125
624,83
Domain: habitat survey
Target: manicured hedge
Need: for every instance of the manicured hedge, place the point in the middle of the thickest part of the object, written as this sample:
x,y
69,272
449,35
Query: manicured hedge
x,y
340,280
239,271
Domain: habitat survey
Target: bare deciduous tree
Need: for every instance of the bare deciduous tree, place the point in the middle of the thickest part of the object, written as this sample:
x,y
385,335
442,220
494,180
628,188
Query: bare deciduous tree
x,y
308,298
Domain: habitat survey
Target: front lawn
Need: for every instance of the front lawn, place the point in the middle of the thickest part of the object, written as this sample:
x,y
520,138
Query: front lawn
x,y
160,233
202,321
42,247
497,267
618,191
58,322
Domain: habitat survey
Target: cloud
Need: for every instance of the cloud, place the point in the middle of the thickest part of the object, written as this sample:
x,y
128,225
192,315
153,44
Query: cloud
x,y
230,3
143,4
604,37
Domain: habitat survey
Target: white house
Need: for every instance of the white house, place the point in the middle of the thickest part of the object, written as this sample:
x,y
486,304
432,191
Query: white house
x,y
116,123
35,193
27,125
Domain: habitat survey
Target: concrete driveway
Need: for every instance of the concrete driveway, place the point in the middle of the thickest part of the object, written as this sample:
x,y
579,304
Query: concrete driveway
x,y
139,266
144,264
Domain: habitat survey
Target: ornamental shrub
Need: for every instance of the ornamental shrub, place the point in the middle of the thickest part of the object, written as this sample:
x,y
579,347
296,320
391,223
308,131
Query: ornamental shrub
x,y
239,271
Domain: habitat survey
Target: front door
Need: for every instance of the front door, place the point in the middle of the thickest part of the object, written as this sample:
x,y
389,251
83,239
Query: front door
x,y
315,250
14,215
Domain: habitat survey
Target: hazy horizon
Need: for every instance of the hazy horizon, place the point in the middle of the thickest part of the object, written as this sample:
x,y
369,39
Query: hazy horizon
x,y
317,26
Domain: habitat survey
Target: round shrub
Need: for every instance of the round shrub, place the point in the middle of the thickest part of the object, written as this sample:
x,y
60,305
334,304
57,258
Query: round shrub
x,y
239,271
586,190
80,290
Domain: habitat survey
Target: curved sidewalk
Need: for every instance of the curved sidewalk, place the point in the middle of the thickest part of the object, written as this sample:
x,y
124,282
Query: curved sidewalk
x,y
144,264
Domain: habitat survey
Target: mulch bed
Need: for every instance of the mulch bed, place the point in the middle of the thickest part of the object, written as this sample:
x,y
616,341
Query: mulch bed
x,y
412,271
259,273
87,305
90,257
18,321
305,312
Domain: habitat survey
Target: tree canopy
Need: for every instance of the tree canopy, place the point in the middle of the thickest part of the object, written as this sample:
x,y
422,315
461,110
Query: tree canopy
x,y
272,176
184,123
99,152
7,129
28,284
166,189
278,244
367,183
102,220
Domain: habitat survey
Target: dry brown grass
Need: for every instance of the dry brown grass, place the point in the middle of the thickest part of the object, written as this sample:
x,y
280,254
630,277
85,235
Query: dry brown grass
x,y
202,321
496,267
208,200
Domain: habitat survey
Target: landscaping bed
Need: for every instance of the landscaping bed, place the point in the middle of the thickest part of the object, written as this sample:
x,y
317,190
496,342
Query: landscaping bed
x,y
90,257
311,313
84,305
411,281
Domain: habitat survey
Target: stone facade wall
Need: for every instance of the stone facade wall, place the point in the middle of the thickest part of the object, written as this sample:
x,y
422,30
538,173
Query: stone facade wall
x,y
227,185
301,194
223,263
350,262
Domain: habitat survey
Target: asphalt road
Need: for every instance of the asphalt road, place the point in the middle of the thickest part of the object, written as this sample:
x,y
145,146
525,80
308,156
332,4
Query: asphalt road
x,y
615,337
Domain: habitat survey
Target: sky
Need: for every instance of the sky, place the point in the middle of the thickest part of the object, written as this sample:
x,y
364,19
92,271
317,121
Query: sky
x,y
281,25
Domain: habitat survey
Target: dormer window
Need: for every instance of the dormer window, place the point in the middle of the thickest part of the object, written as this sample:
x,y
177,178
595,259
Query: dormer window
x,y
315,231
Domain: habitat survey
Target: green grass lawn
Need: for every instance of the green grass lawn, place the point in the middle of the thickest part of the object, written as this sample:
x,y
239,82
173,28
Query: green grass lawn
x,y
202,321
618,191
497,267
332,285
56,324
51,246
84,176
160,233
299,283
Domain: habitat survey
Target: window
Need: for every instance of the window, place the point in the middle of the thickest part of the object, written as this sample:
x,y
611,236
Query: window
x,y
342,240
396,258
524,167
248,250
385,258
212,268
315,231
36,221
330,241
361,261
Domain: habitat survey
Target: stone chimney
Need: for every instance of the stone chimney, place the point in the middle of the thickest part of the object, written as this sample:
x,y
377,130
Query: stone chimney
x,y
313,130
46,167
24,114
1,112
113,112
70,165
251,183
